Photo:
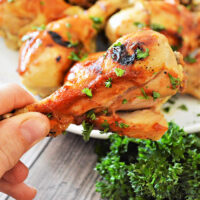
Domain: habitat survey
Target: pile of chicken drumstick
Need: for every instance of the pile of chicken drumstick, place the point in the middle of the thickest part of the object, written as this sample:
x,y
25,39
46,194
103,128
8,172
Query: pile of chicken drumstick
x,y
120,90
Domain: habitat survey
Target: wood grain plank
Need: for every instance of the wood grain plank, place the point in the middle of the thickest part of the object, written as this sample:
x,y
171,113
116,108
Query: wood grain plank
x,y
65,170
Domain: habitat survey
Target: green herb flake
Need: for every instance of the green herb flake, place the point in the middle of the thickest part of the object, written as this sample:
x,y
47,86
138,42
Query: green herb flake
x,y
183,107
69,36
156,95
42,3
140,54
10,1
108,83
97,20
39,28
167,109
139,24
118,44
49,115
145,96
64,133
198,115
190,59
174,48
124,101
91,115
105,112
119,72
121,125
180,28
175,82
171,101
106,127
87,91
68,25
157,27
87,129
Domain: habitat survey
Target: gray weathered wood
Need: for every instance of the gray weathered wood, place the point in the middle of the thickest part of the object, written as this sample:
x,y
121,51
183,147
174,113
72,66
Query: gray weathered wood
x,y
65,170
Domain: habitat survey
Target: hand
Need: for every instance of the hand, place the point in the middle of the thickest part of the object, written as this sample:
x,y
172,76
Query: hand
x,y
17,135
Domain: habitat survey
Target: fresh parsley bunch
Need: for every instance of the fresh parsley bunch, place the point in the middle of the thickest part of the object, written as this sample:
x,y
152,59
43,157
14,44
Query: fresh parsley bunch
x,y
168,169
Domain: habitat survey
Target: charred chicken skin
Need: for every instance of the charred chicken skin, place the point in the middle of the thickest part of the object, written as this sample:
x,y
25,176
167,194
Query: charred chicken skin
x,y
123,88
178,24
47,54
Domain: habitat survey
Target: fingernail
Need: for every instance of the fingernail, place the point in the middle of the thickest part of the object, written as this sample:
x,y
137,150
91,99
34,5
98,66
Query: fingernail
x,y
33,129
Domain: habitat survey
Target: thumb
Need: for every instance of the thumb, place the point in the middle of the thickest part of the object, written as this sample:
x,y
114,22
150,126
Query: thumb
x,y
17,135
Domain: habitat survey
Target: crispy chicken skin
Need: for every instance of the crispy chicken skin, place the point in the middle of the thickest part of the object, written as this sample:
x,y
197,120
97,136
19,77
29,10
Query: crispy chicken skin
x,y
143,70
45,56
43,63
19,17
173,20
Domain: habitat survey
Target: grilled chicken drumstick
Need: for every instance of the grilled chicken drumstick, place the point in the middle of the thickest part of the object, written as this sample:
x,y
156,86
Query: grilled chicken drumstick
x,y
47,54
178,24
121,90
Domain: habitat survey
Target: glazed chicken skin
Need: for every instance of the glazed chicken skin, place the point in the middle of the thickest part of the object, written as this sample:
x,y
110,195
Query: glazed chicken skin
x,y
130,82
19,17
44,62
46,55
172,20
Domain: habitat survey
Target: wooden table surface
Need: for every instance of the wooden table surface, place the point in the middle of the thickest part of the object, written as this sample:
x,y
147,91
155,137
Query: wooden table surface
x,y
62,168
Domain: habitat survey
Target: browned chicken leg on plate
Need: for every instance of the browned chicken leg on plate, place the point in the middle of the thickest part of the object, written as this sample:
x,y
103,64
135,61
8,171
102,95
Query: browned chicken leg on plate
x,y
47,54
120,90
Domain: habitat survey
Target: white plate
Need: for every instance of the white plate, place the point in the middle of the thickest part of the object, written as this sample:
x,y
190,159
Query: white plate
x,y
186,119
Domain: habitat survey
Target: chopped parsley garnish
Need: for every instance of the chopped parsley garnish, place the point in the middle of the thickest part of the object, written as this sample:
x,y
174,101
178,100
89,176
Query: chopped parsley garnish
x,y
68,25
25,38
156,95
97,20
75,57
10,1
117,44
145,96
106,127
91,115
42,3
139,24
167,109
121,125
119,72
87,91
180,28
175,82
190,59
198,115
108,83
64,132
49,115
157,27
39,28
105,112
174,48
183,107
87,129
142,54
171,101
124,101
69,35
